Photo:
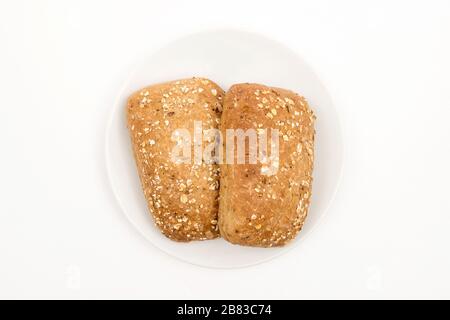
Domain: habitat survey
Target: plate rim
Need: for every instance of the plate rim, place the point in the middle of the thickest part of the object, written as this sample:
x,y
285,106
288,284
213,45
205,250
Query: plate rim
x,y
113,113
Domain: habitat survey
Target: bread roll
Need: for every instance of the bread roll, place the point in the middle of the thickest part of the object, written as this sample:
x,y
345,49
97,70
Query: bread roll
x,y
182,197
265,205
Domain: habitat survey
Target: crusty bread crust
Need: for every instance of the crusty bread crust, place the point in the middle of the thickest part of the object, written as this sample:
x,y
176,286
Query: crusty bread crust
x,y
183,198
267,210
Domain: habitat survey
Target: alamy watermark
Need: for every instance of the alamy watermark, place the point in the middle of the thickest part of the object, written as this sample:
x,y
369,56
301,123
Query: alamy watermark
x,y
241,146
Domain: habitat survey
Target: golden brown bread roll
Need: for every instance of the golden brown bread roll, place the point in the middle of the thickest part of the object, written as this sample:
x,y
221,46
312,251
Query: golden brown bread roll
x,y
266,205
182,197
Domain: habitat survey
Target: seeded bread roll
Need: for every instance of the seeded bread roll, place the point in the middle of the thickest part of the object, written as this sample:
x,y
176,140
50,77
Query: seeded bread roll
x,y
265,205
182,197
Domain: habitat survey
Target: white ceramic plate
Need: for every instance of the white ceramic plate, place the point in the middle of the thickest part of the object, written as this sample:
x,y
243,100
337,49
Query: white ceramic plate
x,y
226,57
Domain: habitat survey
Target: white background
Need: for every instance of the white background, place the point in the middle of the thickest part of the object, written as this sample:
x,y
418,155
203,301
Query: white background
x,y
387,67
